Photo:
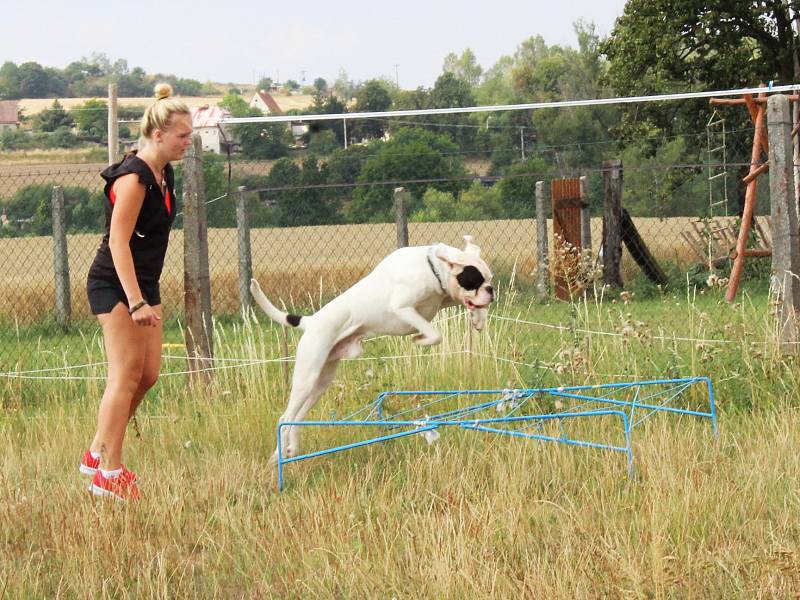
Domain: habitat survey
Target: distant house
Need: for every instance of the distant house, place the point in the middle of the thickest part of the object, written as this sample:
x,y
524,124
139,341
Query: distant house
x,y
267,104
263,101
9,115
215,137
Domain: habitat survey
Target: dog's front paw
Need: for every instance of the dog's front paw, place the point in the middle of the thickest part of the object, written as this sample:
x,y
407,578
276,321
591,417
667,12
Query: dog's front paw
x,y
478,318
427,340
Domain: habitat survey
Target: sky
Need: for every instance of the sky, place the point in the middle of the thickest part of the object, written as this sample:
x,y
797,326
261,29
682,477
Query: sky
x,y
238,41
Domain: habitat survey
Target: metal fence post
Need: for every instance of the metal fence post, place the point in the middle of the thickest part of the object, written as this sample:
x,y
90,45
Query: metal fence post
x,y
785,238
542,266
113,125
401,217
196,280
61,259
586,217
245,255
612,222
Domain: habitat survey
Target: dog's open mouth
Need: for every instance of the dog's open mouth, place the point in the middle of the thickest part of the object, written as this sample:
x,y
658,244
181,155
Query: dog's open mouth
x,y
472,306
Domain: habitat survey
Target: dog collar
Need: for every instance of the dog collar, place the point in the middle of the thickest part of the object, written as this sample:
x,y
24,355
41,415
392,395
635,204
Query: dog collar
x,y
433,268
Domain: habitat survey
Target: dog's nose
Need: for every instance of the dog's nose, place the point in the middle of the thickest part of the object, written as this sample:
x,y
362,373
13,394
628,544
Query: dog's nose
x,y
490,290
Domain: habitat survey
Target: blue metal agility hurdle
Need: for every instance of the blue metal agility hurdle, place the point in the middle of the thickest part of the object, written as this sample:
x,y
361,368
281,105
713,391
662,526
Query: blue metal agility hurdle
x,y
628,403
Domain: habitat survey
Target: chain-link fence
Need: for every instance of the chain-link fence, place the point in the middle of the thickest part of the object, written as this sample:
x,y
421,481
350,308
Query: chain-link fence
x,y
319,223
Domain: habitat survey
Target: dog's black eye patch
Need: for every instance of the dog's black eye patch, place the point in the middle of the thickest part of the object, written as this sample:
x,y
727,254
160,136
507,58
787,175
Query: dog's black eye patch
x,y
470,278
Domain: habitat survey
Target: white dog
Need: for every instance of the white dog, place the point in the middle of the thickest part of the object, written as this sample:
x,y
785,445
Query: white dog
x,y
400,296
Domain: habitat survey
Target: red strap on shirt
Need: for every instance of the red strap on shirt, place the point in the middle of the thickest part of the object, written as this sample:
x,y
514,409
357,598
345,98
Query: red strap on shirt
x,y
167,199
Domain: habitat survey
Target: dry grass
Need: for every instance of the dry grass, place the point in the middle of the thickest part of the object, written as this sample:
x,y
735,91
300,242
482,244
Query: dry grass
x,y
32,106
470,516
298,263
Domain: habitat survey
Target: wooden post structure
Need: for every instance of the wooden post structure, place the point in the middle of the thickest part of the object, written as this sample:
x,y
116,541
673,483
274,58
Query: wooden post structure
x,y
196,281
586,217
61,259
245,255
567,237
401,217
113,125
612,220
785,235
759,143
542,266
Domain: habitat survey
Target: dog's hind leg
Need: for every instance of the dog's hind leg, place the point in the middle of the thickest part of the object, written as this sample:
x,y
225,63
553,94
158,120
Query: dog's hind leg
x,y
313,356
323,382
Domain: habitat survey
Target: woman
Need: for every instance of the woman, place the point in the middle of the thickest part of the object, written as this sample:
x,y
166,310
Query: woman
x,y
123,283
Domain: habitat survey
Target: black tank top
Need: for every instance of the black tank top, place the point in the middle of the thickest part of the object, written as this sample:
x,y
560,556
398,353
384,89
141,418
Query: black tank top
x,y
151,234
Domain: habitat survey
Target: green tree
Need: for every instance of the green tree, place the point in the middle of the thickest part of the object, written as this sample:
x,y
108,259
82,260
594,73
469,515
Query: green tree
x,y
661,46
91,117
258,140
653,191
464,67
344,167
372,96
450,91
321,86
9,80
322,142
33,81
343,87
330,105
62,138
135,84
52,118
476,203
411,154
517,188
303,203
265,83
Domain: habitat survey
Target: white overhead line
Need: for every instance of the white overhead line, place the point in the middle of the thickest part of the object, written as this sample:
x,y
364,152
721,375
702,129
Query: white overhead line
x,y
507,107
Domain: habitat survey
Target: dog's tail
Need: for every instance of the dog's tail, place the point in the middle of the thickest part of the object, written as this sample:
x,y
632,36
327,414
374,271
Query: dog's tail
x,y
272,312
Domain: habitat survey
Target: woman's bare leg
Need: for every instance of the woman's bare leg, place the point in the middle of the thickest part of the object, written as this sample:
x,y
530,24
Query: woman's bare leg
x,y
127,346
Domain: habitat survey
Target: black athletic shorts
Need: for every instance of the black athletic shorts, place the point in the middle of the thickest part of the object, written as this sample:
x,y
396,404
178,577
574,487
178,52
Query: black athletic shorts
x,y
104,295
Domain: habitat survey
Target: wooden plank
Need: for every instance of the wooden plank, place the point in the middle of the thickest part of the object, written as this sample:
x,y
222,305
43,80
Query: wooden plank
x,y
692,243
640,252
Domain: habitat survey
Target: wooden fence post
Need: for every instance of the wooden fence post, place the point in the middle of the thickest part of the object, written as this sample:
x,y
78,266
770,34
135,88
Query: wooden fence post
x,y
612,219
113,125
542,262
245,255
196,280
61,259
785,236
586,216
401,217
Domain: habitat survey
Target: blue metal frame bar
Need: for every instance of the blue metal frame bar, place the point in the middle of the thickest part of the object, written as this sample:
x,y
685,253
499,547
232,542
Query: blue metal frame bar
x,y
451,417
627,449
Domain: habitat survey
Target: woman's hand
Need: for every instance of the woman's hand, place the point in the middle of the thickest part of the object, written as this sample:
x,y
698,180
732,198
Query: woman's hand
x,y
145,316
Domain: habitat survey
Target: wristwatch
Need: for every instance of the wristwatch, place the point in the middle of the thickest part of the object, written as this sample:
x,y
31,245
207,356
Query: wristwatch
x,y
136,306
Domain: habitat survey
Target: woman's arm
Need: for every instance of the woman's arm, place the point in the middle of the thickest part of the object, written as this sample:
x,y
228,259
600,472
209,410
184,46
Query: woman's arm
x,y
129,194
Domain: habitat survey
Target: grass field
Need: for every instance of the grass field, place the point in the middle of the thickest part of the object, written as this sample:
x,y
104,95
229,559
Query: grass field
x,y
471,515
300,263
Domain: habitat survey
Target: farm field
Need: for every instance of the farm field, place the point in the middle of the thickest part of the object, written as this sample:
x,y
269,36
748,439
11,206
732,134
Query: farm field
x,y
470,515
303,264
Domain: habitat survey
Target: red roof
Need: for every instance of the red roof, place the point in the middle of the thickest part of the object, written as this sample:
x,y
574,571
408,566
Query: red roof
x,y
270,102
8,112
208,116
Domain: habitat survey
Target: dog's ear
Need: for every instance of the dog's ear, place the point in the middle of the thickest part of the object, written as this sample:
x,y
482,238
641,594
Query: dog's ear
x,y
471,247
452,256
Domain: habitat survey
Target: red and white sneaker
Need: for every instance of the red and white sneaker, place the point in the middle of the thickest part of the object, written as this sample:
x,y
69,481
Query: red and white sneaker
x,y
122,487
89,464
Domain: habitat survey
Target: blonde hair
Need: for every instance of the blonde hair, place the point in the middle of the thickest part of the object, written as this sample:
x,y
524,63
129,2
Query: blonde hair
x,y
159,113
